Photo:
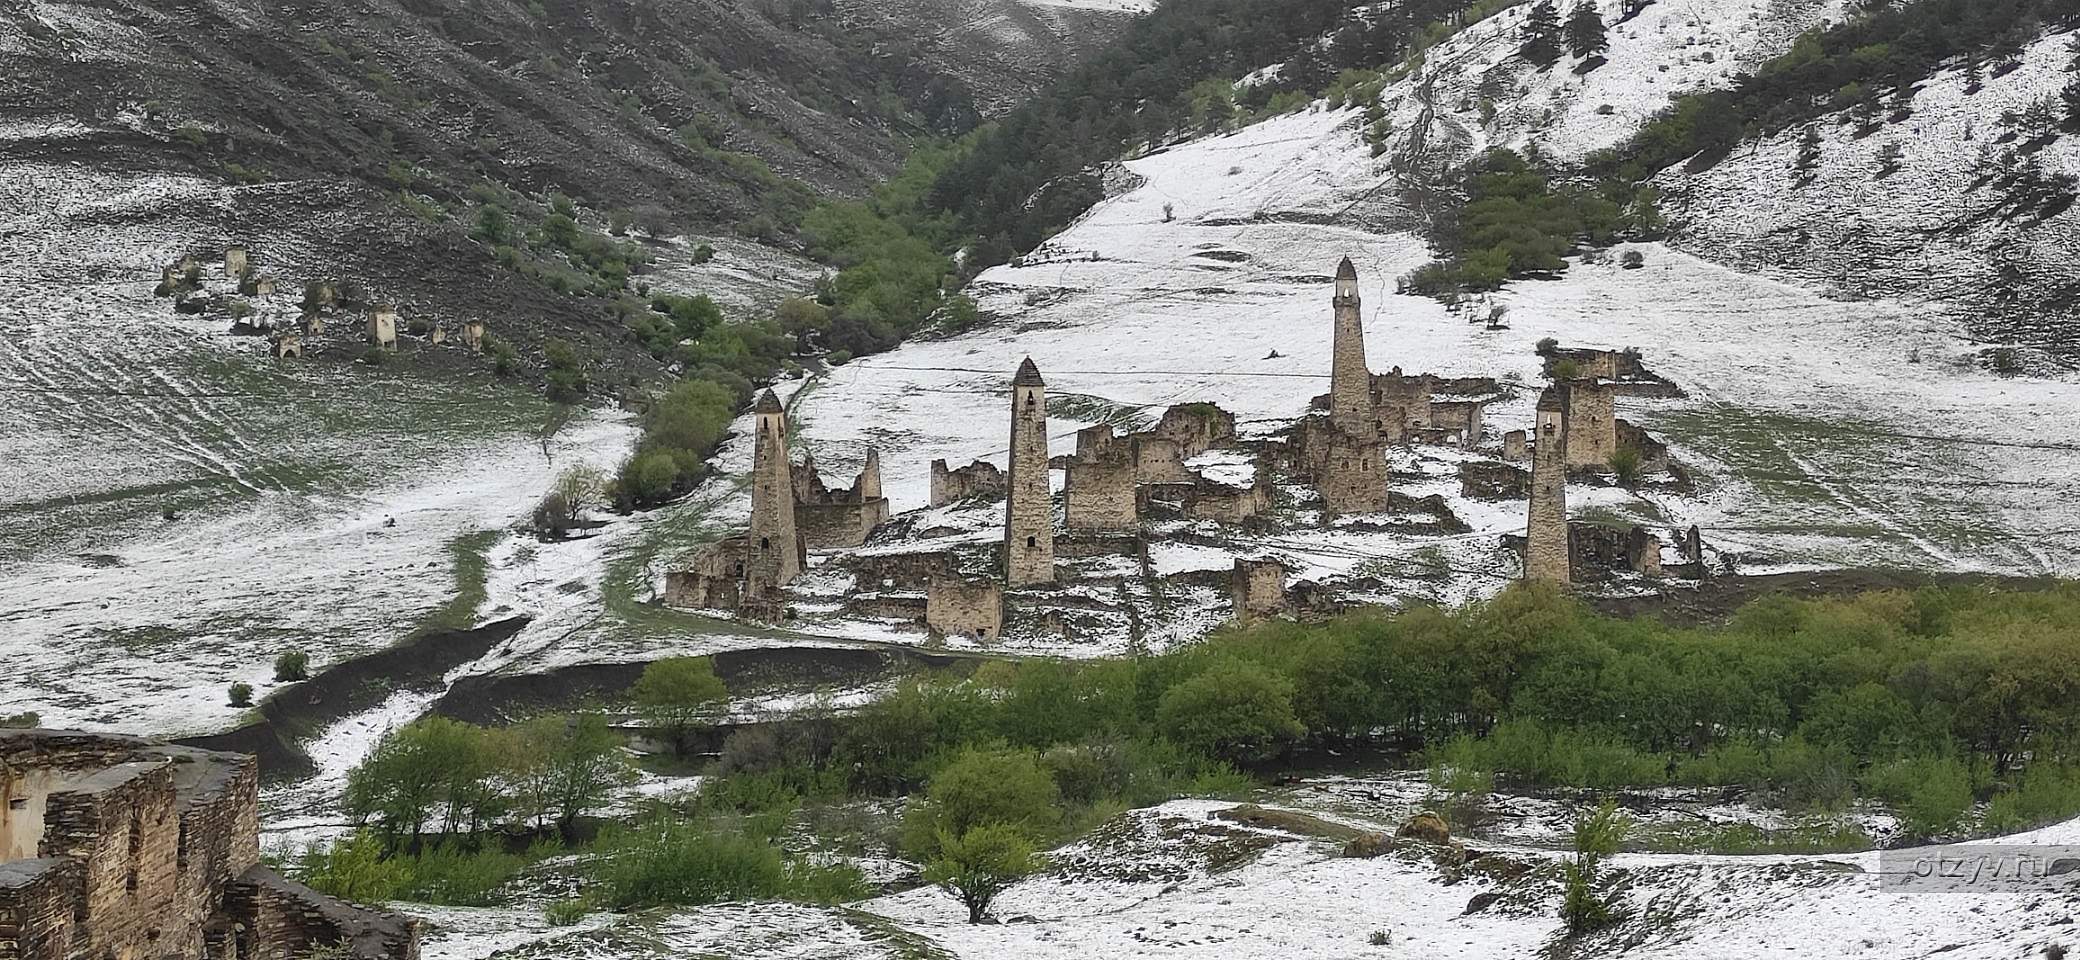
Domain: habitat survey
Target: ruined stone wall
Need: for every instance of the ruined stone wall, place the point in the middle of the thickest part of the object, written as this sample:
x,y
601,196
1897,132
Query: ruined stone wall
x,y
1461,416
826,526
1222,503
1157,460
39,900
139,844
1196,428
713,578
977,479
1099,443
1486,480
1258,589
957,607
899,571
285,920
1653,454
886,606
1101,494
1592,425
1401,405
1514,446
119,825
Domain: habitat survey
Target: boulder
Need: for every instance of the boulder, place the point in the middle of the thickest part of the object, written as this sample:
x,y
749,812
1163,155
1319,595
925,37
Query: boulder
x,y
1365,846
1426,828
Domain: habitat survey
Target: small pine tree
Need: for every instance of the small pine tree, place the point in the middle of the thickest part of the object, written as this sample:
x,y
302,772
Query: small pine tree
x,y
1809,149
1888,159
1542,34
2071,97
1585,33
1974,77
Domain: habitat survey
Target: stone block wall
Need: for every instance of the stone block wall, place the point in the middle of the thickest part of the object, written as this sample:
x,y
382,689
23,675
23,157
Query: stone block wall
x,y
1157,460
1353,478
957,607
140,845
284,920
978,479
900,571
1196,428
1592,425
1258,589
713,578
38,905
1101,494
826,526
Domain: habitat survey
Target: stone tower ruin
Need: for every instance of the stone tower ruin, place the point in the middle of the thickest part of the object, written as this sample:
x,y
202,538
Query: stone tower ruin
x,y
1547,555
1028,504
1350,381
775,549
1353,474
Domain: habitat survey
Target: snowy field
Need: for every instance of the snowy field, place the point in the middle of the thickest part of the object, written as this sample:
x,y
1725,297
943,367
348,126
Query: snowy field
x,y
1178,881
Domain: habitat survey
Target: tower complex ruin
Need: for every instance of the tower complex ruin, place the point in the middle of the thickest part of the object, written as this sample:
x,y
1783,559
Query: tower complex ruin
x,y
1547,554
1352,477
775,548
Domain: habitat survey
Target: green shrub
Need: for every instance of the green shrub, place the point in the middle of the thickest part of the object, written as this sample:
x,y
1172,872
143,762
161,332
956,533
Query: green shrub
x,y
1930,794
670,861
452,877
1232,710
292,665
2047,794
241,694
1005,788
564,913
352,868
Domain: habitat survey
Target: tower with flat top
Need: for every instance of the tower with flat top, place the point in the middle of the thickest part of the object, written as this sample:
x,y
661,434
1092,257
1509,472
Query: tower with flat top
x,y
1547,555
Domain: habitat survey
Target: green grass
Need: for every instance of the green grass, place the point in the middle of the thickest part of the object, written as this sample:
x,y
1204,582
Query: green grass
x,y
469,566
1747,839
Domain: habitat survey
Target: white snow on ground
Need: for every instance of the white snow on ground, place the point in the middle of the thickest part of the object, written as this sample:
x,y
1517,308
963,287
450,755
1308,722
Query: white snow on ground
x,y
1107,6
1928,230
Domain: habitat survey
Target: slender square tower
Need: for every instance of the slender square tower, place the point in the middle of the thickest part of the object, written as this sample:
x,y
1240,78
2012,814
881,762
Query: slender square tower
x,y
1028,504
1350,381
1547,554
775,554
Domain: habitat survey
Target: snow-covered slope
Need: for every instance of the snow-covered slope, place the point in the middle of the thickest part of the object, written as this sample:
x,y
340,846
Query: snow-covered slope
x,y
1825,432
1938,229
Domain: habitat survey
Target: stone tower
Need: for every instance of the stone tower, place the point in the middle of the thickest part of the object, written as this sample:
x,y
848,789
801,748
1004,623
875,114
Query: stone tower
x,y
1028,504
1350,382
774,559
1547,555
868,486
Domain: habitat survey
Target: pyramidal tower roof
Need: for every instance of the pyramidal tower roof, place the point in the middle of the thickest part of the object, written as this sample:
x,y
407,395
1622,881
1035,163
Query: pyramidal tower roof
x,y
1346,270
1028,375
767,403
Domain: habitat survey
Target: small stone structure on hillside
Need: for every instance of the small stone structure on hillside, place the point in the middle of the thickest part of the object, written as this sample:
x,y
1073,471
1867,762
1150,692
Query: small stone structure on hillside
x,y
236,263
473,335
118,847
382,326
1257,588
285,345
961,607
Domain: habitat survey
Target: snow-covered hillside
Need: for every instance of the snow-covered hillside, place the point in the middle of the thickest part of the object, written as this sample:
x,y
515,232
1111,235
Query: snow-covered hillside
x,y
1939,227
1826,433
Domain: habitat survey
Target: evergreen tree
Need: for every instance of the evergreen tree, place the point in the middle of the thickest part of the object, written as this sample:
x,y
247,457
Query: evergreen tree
x,y
1809,151
1974,76
1542,34
2071,96
1585,32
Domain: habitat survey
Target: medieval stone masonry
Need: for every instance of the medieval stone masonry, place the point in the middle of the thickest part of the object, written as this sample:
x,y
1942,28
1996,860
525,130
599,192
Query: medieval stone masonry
x,y
118,847
1547,556
1029,502
1190,479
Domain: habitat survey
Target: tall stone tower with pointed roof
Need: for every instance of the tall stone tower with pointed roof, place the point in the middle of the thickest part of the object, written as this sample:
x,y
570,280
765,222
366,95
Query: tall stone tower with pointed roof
x,y
1547,555
1353,473
774,553
1028,503
1350,381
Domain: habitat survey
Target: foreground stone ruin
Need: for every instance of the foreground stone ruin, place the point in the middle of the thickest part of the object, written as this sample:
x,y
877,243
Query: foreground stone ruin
x,y
119,847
